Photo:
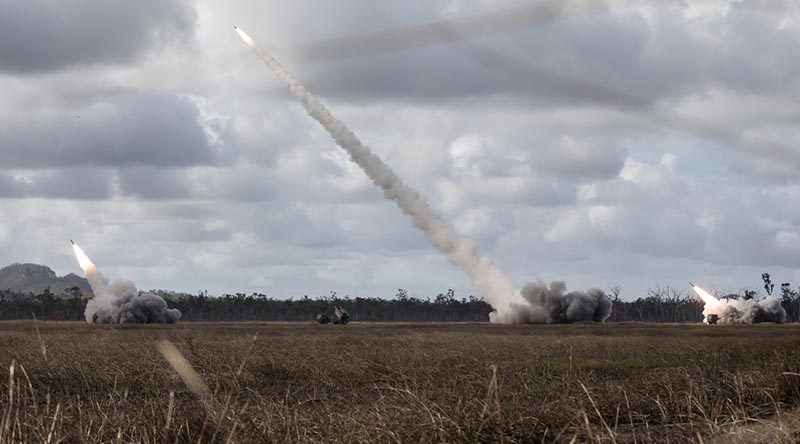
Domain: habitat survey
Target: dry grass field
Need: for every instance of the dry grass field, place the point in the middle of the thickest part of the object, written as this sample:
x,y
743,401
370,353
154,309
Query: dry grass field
x,y
72,382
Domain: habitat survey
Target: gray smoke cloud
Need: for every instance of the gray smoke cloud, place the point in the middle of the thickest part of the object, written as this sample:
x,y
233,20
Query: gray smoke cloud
x,y
119,302
747,311
487,279
551,304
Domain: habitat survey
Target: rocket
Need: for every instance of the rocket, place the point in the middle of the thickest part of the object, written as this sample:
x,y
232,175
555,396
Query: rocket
x,y
690,283
72,242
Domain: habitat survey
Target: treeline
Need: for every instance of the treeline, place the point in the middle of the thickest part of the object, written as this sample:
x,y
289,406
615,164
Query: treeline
x,y
44,306
444,307
662,304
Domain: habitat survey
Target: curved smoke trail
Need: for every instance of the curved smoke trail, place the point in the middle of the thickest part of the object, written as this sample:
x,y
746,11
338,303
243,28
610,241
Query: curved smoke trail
x,y
119,302
487,278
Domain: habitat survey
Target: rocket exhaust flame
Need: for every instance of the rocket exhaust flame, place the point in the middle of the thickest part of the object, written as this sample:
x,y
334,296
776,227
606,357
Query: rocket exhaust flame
x,y
118,302
535,303
704,295
246,38
741,311
85,263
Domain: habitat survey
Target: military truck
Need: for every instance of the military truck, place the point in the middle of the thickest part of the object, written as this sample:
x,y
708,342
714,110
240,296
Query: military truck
x,y
340,316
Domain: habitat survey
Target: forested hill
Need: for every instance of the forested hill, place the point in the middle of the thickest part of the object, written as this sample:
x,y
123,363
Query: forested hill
x,y
35,278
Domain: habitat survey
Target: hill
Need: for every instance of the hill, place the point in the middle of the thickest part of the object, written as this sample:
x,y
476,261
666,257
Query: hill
x,y
35,278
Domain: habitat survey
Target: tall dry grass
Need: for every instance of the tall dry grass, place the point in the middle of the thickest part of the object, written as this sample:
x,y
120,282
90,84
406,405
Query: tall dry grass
x,y
72,382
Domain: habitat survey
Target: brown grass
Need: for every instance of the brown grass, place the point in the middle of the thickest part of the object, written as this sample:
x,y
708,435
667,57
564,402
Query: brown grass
x,y
72,382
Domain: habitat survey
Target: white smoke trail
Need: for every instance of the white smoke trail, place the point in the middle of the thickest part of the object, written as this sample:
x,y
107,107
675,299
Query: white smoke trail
x,y
119,302
488,280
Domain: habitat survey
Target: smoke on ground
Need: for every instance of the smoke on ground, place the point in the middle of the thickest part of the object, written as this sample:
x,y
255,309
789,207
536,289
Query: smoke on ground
x,y
746,311
551,304
487,279
119,302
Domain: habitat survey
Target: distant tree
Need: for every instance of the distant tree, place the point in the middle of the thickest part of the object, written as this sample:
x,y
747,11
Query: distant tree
x,y
768,285
790,300
401,295
46,297
75,292
786,291
749,293
615,291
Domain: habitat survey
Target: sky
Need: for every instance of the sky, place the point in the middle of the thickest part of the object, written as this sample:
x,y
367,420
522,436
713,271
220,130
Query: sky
x,y
604,143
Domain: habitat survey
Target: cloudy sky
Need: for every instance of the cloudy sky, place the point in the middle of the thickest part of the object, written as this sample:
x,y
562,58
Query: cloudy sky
x,y
629,143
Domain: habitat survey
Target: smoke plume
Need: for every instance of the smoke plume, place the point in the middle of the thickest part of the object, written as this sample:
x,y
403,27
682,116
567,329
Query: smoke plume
x,y
740,311
119,302
749,311
551,304
487,279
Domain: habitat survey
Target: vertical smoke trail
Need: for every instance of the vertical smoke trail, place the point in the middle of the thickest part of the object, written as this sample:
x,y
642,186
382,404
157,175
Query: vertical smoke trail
x,y
119,302
488,280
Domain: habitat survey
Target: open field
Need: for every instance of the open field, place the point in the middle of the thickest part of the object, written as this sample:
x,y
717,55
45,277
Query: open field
x,y
400,383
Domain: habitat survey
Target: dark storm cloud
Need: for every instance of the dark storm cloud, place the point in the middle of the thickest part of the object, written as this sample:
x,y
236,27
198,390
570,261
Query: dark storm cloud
x,y
41,35
156,129
297,226
232,183
556,63
440,31
621,57
757,45
185,231
74,184
543,50
640,58
150,183
581,161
